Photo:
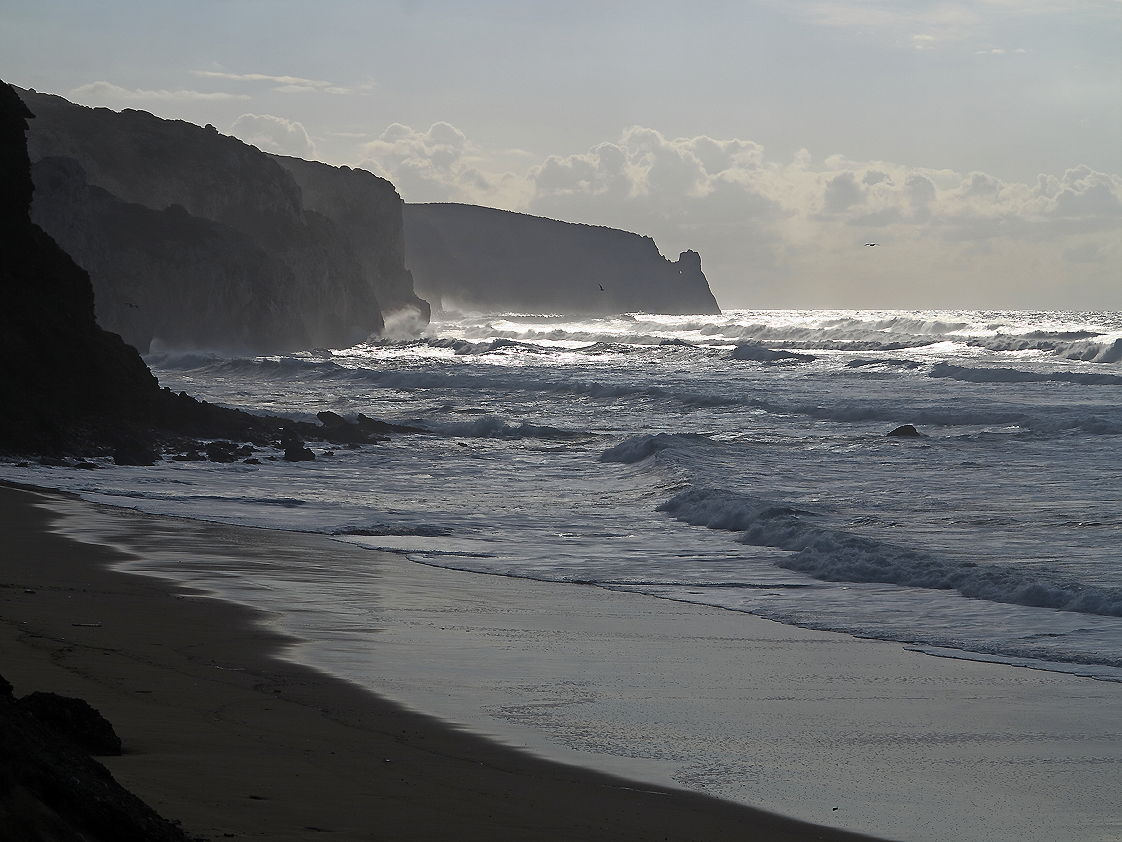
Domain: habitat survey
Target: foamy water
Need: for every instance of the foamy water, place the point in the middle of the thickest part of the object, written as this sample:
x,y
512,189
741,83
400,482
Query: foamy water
x,y
641,453
675,457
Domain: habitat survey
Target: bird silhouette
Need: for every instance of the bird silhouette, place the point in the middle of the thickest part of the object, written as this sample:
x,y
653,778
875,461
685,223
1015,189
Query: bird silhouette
x,y
872,244
601,287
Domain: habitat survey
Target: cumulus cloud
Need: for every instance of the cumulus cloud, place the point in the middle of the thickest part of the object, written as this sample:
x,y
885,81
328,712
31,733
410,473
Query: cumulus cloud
x,y
791,233
274,134
440,165
105,90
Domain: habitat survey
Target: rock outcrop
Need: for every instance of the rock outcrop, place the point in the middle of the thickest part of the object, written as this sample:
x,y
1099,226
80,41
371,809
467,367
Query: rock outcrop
x,y
235,237
469,257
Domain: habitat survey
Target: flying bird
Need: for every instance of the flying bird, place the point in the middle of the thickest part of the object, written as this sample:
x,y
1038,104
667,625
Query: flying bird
x,y
872,244
133,305
601,287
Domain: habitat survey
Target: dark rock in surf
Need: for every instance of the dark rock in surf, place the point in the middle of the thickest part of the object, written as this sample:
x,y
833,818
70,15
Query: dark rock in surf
x,y
760,354
906,431
74,719
295,450
132,451
373,426
223,451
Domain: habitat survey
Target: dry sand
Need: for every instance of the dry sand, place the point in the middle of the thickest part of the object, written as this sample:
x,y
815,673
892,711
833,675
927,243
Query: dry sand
x,y
236,742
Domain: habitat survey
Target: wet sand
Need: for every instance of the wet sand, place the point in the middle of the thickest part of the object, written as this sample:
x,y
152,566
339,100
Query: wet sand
x,y
230,738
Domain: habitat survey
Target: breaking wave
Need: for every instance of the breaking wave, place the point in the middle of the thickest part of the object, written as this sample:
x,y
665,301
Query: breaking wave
x,y
834,555
1012,375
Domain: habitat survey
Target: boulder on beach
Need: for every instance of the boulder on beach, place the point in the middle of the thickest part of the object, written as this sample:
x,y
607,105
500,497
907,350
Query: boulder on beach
x,y
74,719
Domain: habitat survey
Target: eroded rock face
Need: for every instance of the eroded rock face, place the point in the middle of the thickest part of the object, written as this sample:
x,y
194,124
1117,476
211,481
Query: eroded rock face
x,y
167,275
367,210
480,258
261,236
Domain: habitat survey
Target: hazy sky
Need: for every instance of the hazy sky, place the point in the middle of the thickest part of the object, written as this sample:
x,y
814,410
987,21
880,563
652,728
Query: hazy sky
x,y
978,142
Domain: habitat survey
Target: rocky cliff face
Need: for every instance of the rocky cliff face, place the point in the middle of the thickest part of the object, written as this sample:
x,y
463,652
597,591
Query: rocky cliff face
x,y
254,206
480,258
167,275
367,210
56,364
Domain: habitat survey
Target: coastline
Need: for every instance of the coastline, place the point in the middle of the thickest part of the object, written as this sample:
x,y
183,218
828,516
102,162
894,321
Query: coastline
x,y
226,736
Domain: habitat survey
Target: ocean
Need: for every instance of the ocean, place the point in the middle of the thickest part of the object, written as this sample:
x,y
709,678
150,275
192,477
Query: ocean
x,y
737,461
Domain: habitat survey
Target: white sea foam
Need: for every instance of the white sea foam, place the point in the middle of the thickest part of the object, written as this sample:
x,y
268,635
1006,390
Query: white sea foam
x,y
552,443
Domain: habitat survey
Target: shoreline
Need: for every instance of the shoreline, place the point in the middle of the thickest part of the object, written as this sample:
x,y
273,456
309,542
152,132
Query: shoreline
x,y
226,735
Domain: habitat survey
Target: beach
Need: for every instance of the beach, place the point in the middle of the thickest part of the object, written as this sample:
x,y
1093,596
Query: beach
x,y
224,736
227,729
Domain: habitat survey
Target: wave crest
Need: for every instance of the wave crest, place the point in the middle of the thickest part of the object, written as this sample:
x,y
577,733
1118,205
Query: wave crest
x,y
832,555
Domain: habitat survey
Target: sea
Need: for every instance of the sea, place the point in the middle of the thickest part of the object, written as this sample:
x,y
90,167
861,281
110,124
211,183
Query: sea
x,y
740,461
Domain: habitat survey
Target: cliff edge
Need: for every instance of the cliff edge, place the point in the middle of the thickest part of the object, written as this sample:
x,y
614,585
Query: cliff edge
x,y
476,258
368,211
240,260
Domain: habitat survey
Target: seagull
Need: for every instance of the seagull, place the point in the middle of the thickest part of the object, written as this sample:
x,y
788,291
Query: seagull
x,y
136,306
871,244
601,287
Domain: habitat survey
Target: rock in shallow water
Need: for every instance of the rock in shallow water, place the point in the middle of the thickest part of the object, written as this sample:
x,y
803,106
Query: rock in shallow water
x,y
905,430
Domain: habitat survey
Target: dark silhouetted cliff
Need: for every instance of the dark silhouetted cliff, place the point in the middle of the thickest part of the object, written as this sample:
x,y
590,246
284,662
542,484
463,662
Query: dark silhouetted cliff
x,y
472,257
56,364
69,387
328,272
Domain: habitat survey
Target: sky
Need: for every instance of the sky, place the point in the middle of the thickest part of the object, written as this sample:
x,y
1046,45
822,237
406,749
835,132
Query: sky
x,y
978,143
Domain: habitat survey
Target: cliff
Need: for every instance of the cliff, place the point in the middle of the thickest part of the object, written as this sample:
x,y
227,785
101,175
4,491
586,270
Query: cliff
x,y
167,275
68,387
367,210
478,258
266,255
56,365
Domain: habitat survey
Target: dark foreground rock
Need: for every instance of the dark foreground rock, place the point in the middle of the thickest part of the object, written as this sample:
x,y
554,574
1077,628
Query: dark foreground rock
x,y
74,719
50,789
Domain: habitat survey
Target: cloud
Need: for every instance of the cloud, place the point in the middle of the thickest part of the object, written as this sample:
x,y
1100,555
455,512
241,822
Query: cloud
x,y
927,23
440,165
274,134
261,77
790,233
106,90
286,84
